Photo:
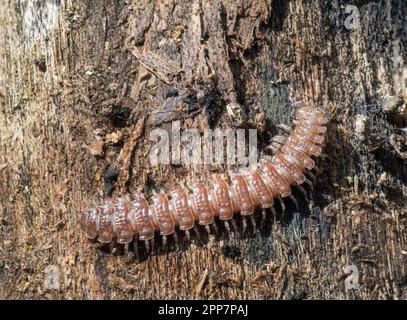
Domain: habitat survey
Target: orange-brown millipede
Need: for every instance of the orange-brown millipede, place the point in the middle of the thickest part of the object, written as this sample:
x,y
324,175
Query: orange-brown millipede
x,y
243,193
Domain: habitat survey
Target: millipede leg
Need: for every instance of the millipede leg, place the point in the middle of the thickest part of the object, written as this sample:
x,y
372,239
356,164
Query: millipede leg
x,y
312,176
310,184
263,217
311,187
253,223
244,225
152,245
304,192
227,226
164,243
188,234
215,228
111,246
208,230
274,214
234,225
197,234
294,201
176,240
282,205
211,236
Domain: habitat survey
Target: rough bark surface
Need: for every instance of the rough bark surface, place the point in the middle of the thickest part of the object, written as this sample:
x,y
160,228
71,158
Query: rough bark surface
x,y
82,83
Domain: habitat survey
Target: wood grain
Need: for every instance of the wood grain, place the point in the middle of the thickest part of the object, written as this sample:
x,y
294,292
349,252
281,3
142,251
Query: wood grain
x,y
72,93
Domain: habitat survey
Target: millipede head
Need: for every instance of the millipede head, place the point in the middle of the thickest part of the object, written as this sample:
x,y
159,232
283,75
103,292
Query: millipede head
x,y
311,114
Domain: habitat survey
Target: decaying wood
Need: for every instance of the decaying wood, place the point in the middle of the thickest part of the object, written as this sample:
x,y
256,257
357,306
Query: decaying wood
x,y
82,83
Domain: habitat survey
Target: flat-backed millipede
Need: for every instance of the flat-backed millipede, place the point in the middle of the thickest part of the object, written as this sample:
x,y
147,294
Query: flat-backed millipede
x,y
217,198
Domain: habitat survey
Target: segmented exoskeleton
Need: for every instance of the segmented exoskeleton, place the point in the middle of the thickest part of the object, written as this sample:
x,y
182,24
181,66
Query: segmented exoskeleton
x,y
218,198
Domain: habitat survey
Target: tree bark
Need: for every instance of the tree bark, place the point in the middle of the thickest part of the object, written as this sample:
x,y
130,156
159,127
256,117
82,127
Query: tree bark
x,y
83,83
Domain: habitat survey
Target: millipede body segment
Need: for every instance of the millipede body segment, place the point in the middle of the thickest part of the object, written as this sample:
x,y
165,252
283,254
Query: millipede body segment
x,y
218,198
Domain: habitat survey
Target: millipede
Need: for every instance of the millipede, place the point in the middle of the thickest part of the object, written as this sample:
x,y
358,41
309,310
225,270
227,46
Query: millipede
x,y
219,198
